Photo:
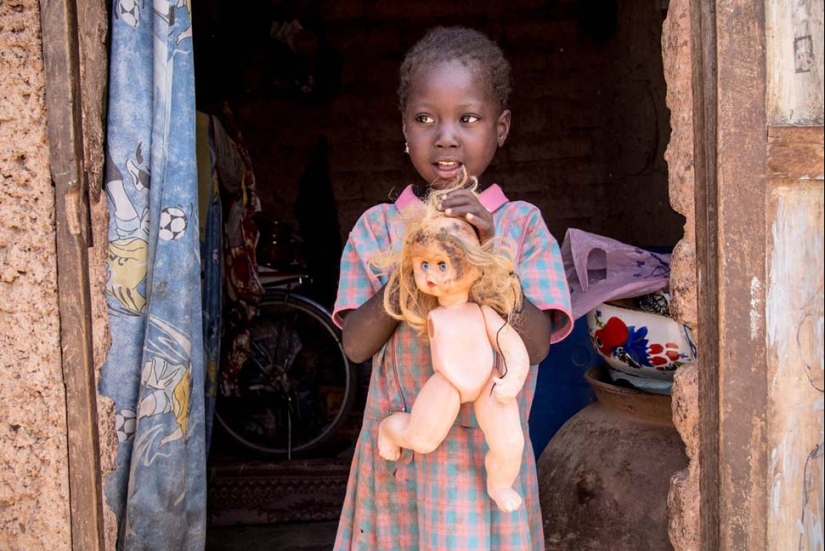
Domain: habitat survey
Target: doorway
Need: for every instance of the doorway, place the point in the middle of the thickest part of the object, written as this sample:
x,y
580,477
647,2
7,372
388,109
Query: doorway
x,y
590,124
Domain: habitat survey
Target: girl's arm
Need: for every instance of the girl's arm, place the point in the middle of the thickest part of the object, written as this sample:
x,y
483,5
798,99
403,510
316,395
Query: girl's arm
x,y
533,326
367,328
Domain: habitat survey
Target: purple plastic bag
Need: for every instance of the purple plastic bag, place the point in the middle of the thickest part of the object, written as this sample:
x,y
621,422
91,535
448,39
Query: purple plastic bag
x,y
600,269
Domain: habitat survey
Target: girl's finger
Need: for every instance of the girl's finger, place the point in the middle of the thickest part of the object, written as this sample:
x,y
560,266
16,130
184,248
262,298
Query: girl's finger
x,y
463,204
478,221
457,199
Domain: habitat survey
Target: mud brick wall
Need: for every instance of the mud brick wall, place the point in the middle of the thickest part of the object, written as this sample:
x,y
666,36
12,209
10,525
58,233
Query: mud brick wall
x,y
34,485
590,124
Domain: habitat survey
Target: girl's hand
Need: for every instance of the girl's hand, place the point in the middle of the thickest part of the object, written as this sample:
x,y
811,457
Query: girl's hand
x,y
462,203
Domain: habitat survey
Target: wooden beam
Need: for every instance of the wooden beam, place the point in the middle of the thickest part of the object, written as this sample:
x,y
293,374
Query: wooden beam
x,y
795,152
703,75
60,53
93,26
742,191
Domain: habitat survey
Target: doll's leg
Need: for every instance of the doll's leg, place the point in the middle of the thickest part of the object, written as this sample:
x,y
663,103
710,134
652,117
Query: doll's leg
x,y
427,424
505,438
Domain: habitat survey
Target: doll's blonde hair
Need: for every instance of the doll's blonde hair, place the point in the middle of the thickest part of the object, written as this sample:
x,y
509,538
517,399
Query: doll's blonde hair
x,y
497,285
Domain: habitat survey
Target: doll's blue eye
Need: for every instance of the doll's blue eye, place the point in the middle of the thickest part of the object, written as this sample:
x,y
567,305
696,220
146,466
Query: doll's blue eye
x,y
425,266
442,266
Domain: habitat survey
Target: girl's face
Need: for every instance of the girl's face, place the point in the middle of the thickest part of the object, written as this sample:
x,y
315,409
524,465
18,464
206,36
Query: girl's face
x,y
452,120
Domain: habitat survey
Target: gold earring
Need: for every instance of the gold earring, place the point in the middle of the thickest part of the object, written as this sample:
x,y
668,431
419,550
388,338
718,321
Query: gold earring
x,y
406,148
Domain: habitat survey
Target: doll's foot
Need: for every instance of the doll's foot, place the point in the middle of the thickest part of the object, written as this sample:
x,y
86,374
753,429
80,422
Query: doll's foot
x,y
386,447
507,499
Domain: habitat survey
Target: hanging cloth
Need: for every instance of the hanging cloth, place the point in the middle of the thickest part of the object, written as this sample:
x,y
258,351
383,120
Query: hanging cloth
x,y
236,180
599,269
154,372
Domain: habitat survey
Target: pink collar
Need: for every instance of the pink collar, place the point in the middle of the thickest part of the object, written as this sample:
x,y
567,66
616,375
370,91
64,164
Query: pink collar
x,y
491,198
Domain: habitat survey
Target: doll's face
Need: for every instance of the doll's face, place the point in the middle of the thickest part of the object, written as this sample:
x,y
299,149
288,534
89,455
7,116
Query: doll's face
x,y
439,266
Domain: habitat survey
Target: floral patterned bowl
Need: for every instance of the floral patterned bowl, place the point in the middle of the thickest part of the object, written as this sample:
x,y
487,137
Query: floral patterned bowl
x,y
642,344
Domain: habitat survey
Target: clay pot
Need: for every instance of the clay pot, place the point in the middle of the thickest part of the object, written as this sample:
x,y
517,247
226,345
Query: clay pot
x,y
604,476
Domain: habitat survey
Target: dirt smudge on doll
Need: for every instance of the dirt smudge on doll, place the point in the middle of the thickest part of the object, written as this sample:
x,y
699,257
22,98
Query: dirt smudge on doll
x,y
456,257
422,239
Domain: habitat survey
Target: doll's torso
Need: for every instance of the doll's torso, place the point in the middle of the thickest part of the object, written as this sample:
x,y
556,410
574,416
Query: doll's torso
x,y
460,348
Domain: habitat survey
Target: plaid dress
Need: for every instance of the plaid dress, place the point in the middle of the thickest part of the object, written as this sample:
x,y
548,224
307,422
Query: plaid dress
x,y
438,501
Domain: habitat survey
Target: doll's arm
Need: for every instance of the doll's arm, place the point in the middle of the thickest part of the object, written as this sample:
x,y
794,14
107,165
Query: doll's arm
x,y
367,328
508,343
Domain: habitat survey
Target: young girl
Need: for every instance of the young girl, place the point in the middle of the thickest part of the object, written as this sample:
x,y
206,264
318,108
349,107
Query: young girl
x,y
453,98
454,290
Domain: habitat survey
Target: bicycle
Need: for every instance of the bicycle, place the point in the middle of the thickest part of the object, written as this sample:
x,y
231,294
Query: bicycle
x,y
297,385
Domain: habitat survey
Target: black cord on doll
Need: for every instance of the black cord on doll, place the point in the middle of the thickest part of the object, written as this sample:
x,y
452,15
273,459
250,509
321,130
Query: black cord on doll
x,y
498,345
503,359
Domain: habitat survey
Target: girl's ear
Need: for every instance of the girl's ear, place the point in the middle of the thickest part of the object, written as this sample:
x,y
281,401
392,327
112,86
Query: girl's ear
x,y
403,126
503,126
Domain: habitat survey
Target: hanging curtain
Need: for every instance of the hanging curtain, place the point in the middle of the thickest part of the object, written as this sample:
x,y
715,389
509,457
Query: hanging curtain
x,y
155,370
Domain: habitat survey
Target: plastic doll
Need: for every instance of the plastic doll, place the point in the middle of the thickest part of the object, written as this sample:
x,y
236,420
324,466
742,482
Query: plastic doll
x,y
451,287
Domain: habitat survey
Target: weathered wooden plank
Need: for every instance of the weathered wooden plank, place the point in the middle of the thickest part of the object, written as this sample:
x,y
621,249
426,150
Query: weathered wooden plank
x,y
794,316
703,54
60,52
729,119
742,190
794,61
795,152
790,135
92,26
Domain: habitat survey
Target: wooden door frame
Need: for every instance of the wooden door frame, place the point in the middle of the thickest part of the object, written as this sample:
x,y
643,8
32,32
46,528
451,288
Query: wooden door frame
x,y
728,76
61,57
703,76
729,85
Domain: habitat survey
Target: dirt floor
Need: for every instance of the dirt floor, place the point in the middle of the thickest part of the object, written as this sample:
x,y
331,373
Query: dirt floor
x,y
308,536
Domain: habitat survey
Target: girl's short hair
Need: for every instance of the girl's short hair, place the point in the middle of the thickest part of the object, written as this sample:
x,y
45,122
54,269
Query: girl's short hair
x,y
469,46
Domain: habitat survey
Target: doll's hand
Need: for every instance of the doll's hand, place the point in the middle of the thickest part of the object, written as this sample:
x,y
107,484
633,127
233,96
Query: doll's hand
x,y
462,203
505,389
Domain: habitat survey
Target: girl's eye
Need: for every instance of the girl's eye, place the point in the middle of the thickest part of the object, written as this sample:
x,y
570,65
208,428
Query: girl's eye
x,y
442,266
425,119
425,266
470,118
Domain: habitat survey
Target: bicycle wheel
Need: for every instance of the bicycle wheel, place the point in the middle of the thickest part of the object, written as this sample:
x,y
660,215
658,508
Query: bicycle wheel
x,y
297,386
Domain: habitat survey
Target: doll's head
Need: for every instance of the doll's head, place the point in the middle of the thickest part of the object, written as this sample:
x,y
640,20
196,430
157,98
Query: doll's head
x,y
453,96
441,258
